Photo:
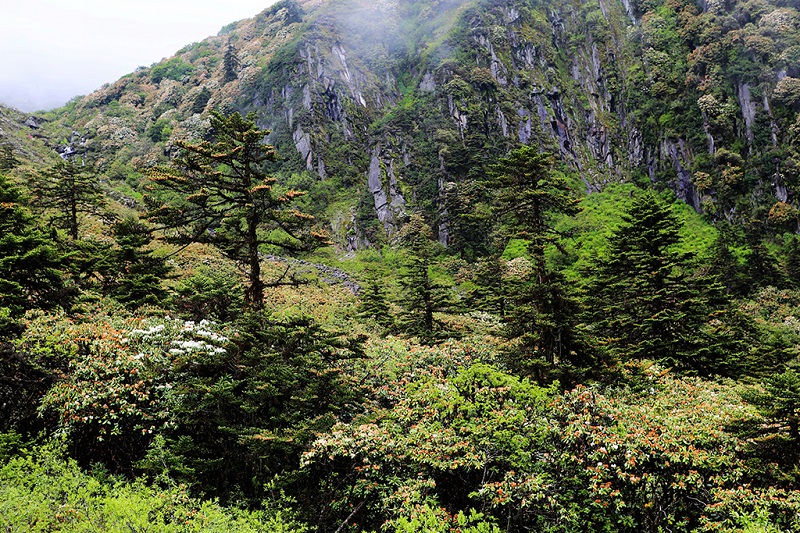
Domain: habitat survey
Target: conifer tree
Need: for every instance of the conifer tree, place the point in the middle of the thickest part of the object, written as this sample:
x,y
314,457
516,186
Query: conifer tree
x,y
726,266
224,197
422,295
68,189
492,287
761,267
468,219
374,304
136,273
211,293
645,300
230,63
30,262
778,401
792,263
540,312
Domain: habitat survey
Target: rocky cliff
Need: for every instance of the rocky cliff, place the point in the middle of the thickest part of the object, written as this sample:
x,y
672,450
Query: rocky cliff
x,y
390,103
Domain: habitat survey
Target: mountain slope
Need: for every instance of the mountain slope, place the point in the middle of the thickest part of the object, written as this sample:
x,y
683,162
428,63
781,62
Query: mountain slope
x,y
394,102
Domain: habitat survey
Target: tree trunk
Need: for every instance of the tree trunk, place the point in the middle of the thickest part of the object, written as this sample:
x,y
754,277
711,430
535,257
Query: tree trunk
x,y
254,295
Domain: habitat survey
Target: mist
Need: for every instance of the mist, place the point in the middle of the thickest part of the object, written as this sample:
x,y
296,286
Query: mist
x,y
52,51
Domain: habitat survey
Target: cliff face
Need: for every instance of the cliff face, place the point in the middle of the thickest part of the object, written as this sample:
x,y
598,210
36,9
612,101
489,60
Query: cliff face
x,y
396,100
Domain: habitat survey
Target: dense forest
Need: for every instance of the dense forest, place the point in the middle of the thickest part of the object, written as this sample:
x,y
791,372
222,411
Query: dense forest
x,y
413,266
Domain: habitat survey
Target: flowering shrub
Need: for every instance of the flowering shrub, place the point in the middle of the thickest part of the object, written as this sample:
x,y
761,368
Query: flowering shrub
x,y
117,387
643,461
652,459
439,446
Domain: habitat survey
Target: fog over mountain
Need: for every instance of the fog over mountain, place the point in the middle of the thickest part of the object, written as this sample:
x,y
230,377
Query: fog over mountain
x,y
53,51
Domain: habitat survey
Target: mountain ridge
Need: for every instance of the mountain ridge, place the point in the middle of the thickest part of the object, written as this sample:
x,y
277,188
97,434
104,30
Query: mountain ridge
x,y
357,92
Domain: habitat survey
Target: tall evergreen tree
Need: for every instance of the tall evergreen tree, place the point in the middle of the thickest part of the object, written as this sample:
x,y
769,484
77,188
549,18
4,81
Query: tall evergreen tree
x,y
468,219
211,293
540,316
776,436
68,189
725,265
492,286
792,263
645,300
761,267
136,272
422,296
374,304
230,63
225,198
30,262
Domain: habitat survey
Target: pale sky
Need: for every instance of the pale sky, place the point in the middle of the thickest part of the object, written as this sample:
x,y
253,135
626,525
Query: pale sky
x,y
52,50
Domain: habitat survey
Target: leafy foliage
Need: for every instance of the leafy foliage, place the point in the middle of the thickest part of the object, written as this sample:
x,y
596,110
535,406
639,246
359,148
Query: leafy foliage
x,y
43,492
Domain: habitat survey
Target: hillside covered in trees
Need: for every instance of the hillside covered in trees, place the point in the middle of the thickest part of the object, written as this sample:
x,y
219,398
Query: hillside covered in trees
x,y
435,266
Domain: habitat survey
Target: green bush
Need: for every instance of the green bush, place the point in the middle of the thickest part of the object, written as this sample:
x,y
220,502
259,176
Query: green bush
x,y
43,492
172,69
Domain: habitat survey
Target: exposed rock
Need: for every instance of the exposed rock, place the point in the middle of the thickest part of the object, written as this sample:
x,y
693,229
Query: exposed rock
x,y
525,124
428,83
443,230
327,274
748,111
302,141
773,126
389,205
502,122
681,157
499,71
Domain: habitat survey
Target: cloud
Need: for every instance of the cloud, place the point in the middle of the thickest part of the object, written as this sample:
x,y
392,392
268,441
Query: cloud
x,y
51,50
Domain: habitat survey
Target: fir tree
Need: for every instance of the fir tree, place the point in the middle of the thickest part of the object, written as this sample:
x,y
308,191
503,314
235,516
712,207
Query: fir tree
x,y
492,286
645,300
230,63
776,436
540,312
211,293
725,265
30,262
792,263
225,198
421,295
468,219
374,302
136,273
761,267
68,190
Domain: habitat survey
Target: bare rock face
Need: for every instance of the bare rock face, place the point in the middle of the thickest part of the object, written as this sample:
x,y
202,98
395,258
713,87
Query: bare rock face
x,y
748,111
679,154
382,182
302,141
397,99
